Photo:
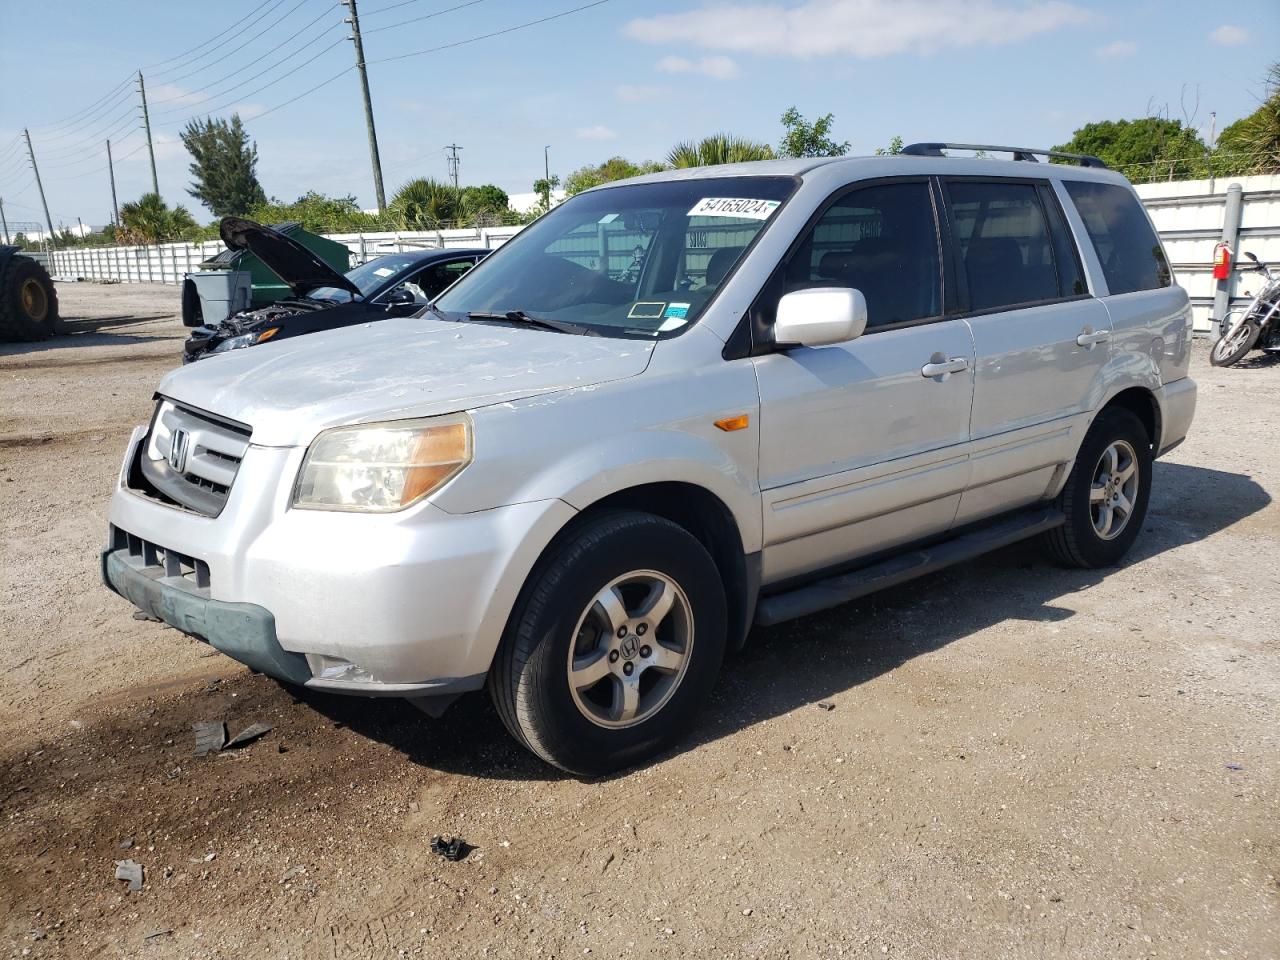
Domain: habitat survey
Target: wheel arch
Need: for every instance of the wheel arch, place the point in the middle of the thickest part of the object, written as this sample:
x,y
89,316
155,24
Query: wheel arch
x,y
1143,404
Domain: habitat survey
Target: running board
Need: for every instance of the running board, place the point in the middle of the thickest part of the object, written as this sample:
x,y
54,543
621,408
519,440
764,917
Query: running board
x,y
833,591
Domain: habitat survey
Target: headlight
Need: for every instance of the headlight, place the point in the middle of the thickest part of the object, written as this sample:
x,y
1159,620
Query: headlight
x,y
245,340
382,467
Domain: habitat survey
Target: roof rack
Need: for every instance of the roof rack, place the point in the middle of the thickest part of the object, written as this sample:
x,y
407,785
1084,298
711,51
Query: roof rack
x,y
1019,153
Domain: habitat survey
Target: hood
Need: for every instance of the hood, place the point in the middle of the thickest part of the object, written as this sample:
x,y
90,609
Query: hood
x,y
300,269
394,369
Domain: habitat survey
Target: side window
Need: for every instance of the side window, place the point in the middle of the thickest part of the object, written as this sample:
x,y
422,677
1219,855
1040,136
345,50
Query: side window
x,y
432,281
1127,247
1002,240
1071,282
881,240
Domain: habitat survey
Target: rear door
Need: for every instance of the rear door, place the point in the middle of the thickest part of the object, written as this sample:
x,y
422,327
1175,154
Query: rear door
x,y
1041,340
859,449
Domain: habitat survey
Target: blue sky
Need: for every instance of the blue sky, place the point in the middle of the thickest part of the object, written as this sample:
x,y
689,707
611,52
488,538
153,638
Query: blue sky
x,y
624,77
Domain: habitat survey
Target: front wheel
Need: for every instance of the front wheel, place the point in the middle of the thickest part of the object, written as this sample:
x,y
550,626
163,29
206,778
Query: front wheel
x,y
1105,496
616,641
1235,343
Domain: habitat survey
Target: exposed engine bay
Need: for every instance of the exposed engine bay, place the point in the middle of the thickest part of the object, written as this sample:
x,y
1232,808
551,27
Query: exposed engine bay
x,y
247,327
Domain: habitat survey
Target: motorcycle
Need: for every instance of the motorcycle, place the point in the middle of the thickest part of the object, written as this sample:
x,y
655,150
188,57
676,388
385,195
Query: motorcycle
x,y
1255,326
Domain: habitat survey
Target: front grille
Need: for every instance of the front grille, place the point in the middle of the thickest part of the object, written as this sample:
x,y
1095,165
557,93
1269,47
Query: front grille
x,y
190,458
158,562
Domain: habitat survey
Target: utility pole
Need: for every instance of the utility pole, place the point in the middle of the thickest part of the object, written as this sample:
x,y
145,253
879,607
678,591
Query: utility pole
x,y
146,122
111,173
453,149
40,186
546,174
3,222
354,20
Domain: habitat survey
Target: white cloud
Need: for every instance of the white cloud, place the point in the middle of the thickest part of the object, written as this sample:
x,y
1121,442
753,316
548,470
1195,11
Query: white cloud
x,y
719,67
861,28
1229,35
1116,50
598,132
640,93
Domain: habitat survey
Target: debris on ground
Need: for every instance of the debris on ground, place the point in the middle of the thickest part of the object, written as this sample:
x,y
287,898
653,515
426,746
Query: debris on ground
x,y
210,737
247,735
126,843
157,933
1234,766
130,870
451,848
826,705
143,615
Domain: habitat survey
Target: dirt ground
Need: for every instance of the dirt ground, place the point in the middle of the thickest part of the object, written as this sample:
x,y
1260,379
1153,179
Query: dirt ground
x,y
1021,761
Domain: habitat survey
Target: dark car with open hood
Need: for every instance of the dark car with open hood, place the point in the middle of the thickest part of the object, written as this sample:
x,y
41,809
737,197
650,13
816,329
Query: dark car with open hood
x,y
394,285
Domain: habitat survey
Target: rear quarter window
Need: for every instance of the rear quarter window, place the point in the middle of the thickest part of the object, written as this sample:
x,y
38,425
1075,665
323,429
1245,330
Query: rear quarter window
x,y
1127,247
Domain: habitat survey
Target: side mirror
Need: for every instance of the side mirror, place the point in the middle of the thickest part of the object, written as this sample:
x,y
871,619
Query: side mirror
x,y
400,298
820,316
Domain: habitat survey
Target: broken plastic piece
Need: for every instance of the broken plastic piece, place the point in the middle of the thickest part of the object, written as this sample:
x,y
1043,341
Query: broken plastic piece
x,y
451,848
826,705
210,736
131,871
247,735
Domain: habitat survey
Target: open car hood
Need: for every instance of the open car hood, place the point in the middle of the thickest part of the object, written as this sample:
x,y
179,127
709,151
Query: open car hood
x,y
289,260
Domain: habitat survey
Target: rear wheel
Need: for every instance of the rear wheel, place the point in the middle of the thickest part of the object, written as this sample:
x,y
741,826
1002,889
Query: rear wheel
x,y
28,301
616,641
1235,343
1106,494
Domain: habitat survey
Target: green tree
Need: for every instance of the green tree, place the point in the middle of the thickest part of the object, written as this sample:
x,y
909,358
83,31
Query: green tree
x,y
544,186
225,166
717,148
486,206
322,214
1252,143
1151,148
800,138
150,220
425,204
615,168
894,148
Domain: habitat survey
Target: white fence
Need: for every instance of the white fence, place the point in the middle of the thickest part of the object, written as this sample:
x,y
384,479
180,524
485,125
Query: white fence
x,y
170,262
1188,214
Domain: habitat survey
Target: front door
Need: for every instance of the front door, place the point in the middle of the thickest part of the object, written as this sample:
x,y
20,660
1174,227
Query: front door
x,y
862,444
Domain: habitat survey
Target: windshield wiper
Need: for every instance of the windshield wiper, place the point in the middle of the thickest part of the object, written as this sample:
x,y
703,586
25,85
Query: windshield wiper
x,y
519,316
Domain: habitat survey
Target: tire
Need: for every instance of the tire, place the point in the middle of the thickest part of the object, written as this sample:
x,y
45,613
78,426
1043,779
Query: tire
x,y
28,301
1087,539
587,731
1232,346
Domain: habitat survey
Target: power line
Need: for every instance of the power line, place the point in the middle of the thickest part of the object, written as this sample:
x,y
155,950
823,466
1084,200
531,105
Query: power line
x,y
90,118
252,38
390,6
70,150
239,70
495,33
242,25
425,16
179,56
203,110
76,117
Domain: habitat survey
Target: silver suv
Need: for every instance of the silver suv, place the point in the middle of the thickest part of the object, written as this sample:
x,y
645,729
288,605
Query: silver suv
x,y
668,410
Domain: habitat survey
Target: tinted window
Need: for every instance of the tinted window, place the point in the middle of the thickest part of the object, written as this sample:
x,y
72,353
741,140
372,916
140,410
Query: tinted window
x,y
1003,243
883,241
639,259
1071,282
1127,247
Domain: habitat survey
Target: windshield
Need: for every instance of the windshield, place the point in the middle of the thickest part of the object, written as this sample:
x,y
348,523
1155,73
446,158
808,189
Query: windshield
x,y
641,259
368,277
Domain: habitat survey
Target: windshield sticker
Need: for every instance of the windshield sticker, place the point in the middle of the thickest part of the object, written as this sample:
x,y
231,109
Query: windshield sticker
x,y
677,311
647,310
383,272
734,207
672,323
608,218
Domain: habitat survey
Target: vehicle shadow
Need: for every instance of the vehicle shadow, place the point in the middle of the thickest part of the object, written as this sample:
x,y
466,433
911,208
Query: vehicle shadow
x,y
98,332
809,660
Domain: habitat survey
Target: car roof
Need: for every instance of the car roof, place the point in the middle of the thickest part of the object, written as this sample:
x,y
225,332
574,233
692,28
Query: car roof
x,y
433,253
853,168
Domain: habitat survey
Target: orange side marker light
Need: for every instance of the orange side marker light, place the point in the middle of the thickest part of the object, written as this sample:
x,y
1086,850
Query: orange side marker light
x,y
740,422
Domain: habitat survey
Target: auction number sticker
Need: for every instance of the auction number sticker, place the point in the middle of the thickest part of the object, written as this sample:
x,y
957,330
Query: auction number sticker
x,y
734,207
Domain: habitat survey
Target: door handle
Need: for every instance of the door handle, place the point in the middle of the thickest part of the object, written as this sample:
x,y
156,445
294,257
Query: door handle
x,y
940,368
1090,337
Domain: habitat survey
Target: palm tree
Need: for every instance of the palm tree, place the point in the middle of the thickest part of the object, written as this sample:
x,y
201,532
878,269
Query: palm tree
x,y
150,220
718,148
1252,144
425,204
